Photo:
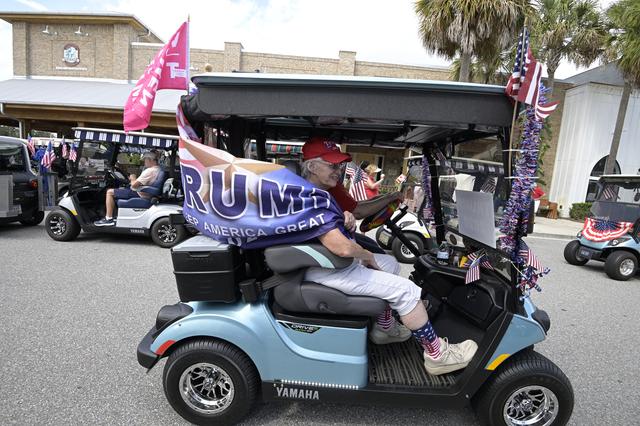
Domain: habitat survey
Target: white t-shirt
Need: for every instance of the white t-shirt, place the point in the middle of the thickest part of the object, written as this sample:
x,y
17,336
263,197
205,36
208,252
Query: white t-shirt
x,y
148,175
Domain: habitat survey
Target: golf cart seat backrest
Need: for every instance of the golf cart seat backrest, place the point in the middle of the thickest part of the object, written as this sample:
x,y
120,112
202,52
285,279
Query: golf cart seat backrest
x,y
296,295
155,190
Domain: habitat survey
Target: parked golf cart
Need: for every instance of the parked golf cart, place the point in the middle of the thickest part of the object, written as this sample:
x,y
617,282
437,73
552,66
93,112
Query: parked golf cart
x,y
19,197
611,233
103,155
413,231
249,327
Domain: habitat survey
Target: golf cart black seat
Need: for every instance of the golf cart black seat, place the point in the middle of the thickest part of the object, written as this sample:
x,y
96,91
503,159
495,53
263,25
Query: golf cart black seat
x,y
154,190
296,295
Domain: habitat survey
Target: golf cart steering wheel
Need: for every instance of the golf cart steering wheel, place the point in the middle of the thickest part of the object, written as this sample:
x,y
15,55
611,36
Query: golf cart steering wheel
x,y
379,218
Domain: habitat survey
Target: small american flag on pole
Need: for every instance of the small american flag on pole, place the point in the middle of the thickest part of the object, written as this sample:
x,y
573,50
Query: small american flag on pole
x,y
31,146
358,177
48,157
517,76
65,150
73,154
609,193
476,259
531,259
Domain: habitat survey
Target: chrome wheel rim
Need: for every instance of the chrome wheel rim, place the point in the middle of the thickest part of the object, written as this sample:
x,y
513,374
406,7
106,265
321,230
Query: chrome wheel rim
x,y
167,233
57,225
531,406
626,267
206,388
406,252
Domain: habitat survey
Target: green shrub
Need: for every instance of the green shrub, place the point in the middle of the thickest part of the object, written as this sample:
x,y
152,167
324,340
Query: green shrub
x,y
579,210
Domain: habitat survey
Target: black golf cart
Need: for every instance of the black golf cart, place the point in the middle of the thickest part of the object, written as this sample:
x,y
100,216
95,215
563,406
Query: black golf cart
x,y
262,332
104,160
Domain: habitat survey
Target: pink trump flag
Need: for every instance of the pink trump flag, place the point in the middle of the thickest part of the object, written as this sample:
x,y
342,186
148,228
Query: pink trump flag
x,y
168,70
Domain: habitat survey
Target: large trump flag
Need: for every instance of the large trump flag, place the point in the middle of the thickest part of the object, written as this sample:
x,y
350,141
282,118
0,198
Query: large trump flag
x,y
249,203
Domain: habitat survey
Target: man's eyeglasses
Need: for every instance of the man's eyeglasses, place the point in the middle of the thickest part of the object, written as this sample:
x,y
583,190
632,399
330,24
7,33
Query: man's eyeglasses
x,y
340,167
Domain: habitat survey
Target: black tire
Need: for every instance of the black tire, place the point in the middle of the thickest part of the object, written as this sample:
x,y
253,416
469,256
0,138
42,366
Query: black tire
x,y
61,225
621,265
571,254
204,356
401,252
384,246
34,220
527,373
166,235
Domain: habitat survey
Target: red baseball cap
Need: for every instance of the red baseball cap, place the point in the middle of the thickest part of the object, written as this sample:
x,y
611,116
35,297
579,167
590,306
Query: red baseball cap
x,y
317,147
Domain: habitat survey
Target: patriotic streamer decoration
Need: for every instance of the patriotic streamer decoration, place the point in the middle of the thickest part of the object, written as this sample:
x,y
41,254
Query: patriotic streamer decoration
x,y
604,230
426,209
358,177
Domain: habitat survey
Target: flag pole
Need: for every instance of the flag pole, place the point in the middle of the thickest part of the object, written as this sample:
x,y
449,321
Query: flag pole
x,y
188,50
516,105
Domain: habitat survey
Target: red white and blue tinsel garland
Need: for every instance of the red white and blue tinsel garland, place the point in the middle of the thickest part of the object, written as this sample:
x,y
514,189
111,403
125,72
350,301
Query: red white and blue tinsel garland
x,y
427,202
516,213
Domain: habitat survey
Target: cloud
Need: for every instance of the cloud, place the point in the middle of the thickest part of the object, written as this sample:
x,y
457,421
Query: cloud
x,y
33,5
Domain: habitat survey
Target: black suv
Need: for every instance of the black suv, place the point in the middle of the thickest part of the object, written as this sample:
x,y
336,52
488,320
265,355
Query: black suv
x,y
14,161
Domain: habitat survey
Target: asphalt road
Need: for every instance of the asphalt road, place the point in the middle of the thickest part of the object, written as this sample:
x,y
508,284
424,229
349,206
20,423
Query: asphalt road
x,y
73,314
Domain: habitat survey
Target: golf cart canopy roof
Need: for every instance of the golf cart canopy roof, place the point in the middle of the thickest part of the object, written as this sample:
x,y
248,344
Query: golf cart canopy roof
x,y
364,110
148,140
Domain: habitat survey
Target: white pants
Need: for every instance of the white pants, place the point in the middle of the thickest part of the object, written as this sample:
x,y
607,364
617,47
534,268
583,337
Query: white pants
x,y
401,293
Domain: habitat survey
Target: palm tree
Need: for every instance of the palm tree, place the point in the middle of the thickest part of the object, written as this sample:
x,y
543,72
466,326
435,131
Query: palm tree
x,y
468,28
570,30
623,46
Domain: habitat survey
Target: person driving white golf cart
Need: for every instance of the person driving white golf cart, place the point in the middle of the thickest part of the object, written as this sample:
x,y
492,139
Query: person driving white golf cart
x,y
147,177
376,275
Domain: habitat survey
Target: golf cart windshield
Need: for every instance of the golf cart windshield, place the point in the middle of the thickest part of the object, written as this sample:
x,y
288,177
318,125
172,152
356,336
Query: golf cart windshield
x,y
11,158
94,159
618,199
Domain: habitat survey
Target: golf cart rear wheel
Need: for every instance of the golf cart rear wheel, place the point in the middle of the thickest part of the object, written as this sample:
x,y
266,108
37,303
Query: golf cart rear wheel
x,y
61,225
621,265
210,382
528,390
571,255
402,252
165,234
34,220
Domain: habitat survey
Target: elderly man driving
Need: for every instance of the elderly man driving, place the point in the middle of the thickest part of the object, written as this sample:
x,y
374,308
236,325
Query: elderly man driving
x,y
376,275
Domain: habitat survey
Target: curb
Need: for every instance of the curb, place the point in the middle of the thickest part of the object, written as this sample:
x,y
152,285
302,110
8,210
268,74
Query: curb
x,y
560,236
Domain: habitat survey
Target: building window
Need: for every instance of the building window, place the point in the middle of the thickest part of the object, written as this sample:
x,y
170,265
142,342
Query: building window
x,y
596,172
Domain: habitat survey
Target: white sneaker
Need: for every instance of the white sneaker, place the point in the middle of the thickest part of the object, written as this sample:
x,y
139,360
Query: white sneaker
x,y
452,357
397,333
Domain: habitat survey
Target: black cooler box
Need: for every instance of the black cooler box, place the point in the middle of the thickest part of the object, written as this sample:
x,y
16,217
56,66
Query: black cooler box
x,y
207,270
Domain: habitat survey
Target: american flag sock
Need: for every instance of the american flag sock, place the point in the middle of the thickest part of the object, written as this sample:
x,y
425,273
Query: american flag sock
x,y
386,320
428,338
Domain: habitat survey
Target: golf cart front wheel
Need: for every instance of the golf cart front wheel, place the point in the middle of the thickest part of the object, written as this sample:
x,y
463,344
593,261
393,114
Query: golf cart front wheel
x,y
621,265
571,255
402,252
165,234
210,382
61,225
529,390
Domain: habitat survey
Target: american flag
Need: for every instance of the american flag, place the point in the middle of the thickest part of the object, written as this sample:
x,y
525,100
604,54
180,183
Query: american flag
x,y
65,150
73,154
517,76
475,260
610,193
401,178
31,146
604,230
489,185
531,259
49,156
524,82
358,177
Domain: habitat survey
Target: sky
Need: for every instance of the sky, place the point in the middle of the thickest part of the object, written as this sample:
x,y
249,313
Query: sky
x,y
378,30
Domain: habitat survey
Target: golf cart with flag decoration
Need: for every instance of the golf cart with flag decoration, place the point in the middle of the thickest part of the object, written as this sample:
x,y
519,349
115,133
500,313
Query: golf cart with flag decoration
x,y
611,233
104,160
249,327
